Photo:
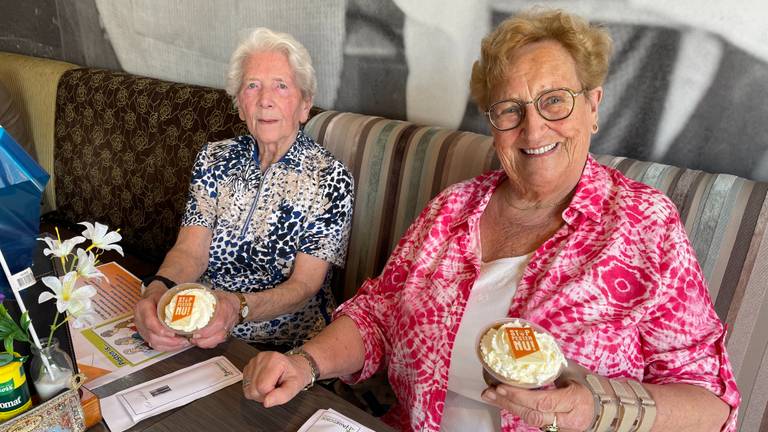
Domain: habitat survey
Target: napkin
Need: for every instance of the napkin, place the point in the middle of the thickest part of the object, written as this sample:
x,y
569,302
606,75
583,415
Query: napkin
x,y
128,407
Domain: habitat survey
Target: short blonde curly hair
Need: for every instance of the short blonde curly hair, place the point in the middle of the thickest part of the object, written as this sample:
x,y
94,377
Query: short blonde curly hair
x,y
589,45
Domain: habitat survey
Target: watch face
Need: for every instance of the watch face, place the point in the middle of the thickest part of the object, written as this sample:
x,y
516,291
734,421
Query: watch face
x,y
244,312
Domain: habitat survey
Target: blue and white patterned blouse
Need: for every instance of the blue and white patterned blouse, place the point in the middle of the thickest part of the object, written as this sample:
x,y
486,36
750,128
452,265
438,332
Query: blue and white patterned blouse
x,y
261,220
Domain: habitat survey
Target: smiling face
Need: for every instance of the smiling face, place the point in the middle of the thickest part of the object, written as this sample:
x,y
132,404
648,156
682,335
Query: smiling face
x,y
544,159
270,100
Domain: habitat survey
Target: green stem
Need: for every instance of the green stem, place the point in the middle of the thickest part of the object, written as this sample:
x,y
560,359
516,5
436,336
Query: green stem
x,y
54,326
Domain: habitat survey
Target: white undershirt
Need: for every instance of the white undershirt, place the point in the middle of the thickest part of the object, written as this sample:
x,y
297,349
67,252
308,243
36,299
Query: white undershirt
x,y
489,300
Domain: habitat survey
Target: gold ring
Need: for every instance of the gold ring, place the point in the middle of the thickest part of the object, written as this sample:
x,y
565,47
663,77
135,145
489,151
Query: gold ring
x,y
552,427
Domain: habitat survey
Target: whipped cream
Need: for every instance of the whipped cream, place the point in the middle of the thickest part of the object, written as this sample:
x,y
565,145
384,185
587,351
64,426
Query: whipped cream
x,y
538,368
194,317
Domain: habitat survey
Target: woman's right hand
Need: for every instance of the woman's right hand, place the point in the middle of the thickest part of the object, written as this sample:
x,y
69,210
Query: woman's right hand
x,y
273,378
150,328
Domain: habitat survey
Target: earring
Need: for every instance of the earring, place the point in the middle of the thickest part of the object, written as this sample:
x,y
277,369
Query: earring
x,y
595,128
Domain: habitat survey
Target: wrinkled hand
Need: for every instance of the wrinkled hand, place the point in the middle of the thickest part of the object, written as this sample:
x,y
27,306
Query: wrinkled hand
x,y
224,318
573,404
157,335
273,378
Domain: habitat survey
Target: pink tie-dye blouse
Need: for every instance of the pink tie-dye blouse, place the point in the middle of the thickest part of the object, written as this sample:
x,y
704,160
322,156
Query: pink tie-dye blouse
x,y
618,285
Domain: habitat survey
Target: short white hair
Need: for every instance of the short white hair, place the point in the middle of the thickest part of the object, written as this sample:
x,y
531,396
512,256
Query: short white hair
x,y
262,39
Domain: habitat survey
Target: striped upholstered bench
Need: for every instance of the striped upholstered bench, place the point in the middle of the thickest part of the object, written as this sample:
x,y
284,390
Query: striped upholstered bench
x,y
399,166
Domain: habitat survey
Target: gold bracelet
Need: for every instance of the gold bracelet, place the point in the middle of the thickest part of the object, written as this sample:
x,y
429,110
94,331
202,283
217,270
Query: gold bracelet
x,y
647,415
629,406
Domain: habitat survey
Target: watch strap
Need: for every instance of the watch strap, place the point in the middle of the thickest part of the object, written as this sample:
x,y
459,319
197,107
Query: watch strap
x,y
243,312
315,371
629,406
148,280
647,407
605,401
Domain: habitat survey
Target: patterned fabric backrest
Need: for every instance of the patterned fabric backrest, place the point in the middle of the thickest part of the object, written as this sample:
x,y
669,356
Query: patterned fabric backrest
x,y
399,166
124,151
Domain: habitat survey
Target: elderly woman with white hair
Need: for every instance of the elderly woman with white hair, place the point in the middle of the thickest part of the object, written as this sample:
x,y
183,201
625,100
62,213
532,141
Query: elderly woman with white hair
x,y
268,213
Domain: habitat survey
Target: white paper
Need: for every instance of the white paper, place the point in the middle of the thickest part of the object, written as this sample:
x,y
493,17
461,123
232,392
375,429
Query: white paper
x,y
128,407
329,420
24,279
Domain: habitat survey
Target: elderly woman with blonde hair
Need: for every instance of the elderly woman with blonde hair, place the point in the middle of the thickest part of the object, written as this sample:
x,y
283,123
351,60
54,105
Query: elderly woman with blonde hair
x,y
600,261
268,213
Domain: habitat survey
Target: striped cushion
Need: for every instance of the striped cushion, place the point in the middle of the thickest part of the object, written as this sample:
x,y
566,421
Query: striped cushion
x,y
399,166
726,218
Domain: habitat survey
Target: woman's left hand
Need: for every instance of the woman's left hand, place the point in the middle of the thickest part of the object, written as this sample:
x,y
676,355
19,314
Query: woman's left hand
x,y
224,318
573,405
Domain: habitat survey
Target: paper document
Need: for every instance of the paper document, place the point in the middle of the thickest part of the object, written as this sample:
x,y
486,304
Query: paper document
x,y
118,293
113,347
328,420
128,407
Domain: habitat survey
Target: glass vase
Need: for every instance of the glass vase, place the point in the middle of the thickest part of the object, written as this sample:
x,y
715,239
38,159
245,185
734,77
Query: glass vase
x,y
51,369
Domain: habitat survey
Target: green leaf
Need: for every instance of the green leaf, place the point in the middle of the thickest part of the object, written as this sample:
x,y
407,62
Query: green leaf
x,y
5,358
8,344
5,328
25,321
10,330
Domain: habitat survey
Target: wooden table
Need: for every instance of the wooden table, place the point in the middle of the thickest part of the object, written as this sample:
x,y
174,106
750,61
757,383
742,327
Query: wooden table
x,y
227,409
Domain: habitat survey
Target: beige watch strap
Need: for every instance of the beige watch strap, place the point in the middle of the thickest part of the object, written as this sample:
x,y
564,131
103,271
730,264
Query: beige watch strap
x,y
609,405
629,406
647,407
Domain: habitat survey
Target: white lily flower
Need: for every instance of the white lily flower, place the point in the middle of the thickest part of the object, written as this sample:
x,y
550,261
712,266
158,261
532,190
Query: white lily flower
x,y
100,237
86,265
60,248
66,294
81,315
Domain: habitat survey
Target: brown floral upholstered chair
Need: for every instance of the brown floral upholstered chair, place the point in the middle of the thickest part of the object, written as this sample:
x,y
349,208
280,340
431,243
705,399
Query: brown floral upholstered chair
x,y
124,149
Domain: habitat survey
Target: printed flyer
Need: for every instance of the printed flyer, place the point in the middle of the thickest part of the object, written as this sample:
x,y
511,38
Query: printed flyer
x,y
113,348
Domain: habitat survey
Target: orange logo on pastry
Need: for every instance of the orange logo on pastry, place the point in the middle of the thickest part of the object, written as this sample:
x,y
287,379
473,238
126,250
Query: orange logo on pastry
x,y
183,307
522,341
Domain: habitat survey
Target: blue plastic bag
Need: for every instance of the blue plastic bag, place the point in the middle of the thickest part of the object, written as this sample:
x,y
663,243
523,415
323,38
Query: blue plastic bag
x,y
22,182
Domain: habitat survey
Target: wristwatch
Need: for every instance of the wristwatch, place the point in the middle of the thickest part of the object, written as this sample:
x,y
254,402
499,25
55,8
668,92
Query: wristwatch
x,y
314,370
148,280
243,307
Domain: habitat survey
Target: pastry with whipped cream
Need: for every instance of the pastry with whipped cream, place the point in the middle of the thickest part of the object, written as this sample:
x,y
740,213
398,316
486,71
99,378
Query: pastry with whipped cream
x,y
516,353
190,309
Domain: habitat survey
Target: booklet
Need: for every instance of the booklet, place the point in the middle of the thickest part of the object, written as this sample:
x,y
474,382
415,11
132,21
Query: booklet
x,y
329,420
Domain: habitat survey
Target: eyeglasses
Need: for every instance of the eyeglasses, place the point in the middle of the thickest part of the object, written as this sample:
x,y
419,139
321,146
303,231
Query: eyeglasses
x,y
552,105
